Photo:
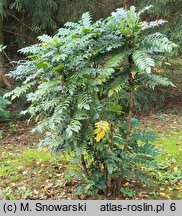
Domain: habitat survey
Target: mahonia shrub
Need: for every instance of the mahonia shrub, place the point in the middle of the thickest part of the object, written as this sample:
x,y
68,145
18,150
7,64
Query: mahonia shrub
x,y
74,82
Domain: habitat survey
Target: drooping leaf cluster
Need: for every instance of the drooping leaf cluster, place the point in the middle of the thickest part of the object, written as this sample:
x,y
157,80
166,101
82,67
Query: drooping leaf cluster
x,y
170,10
74,83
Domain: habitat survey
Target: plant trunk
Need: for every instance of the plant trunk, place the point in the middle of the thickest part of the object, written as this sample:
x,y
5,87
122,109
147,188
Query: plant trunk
x,y
130,112
84,165
1,75
105,177
1,53
108,185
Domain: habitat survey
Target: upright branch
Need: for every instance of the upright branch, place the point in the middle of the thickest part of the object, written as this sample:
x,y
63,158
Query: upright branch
x,y
1,54
132,75
84,165
130,111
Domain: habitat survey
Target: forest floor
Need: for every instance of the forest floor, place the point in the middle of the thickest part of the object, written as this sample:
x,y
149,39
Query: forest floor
x,y
30,173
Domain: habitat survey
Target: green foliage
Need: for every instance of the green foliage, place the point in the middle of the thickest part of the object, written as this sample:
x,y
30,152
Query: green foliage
x,y
143,61
4,114
1,134
2,47
22,191
156,43
74,82
153,80
40,12
12,127
170,10
128,192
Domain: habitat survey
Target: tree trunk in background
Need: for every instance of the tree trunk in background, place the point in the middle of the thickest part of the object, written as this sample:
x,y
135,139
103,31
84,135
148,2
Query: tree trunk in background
x,y
1,54
72,10
4,82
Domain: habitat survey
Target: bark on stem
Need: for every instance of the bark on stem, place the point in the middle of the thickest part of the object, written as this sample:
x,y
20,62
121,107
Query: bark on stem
x,y
1,53
84,165
130,112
